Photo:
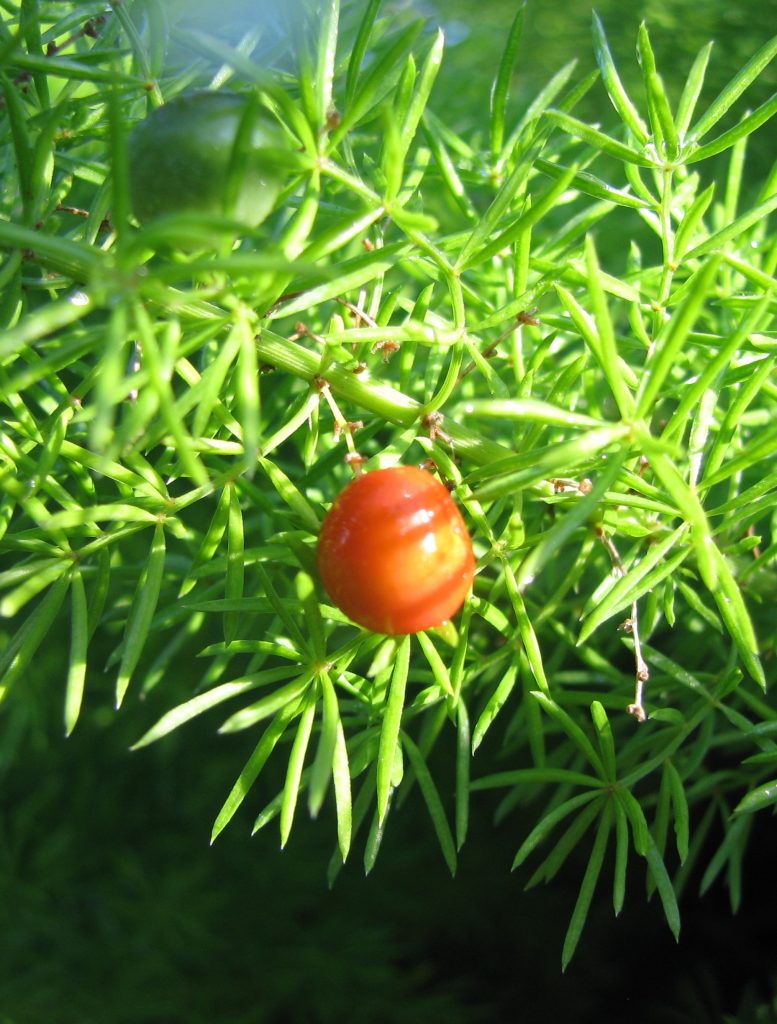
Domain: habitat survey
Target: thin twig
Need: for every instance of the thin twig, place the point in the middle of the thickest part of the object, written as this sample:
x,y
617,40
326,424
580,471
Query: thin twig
x,y
359,314
343,427
642,672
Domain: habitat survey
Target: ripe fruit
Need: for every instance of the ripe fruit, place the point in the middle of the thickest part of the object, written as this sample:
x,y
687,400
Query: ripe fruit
x,y
394,553
181,160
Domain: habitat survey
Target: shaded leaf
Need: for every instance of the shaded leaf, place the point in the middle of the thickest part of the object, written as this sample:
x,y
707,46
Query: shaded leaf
x,y
664,886
764,795
389,733
433,802
141,612
254,765
79,639
295,765
549,822
590,878
195,706
324,760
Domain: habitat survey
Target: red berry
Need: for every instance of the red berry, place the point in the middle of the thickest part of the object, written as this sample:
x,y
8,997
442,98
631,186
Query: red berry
x,y
394,553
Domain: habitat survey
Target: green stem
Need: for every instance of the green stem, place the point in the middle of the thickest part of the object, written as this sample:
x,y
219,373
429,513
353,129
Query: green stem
x,y
384,401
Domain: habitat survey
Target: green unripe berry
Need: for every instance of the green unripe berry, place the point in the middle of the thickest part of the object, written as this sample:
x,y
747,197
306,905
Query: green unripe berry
x,y
183,159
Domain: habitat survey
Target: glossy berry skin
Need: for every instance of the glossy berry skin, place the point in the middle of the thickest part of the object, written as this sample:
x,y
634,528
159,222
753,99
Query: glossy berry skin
x,y
181,154
394,553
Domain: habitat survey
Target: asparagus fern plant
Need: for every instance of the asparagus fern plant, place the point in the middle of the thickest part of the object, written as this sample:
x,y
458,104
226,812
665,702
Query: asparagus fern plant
x,y
573,323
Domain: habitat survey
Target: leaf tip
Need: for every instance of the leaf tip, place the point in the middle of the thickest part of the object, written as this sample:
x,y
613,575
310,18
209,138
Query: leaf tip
x,y
122,682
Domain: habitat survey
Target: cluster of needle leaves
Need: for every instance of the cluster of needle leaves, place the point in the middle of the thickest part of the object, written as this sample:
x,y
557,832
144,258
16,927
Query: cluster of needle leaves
x,y
573,324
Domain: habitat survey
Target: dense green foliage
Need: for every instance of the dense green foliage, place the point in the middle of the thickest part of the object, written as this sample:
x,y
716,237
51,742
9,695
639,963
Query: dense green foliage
x,y
575,324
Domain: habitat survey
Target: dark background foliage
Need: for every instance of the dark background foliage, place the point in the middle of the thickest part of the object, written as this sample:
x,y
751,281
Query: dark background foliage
x,y
113,908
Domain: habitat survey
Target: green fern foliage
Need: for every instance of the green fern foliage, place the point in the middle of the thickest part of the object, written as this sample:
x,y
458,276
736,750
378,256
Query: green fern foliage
x,y
573,323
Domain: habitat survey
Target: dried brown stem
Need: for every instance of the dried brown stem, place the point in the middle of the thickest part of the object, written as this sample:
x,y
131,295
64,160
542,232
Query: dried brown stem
x,y
642,672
